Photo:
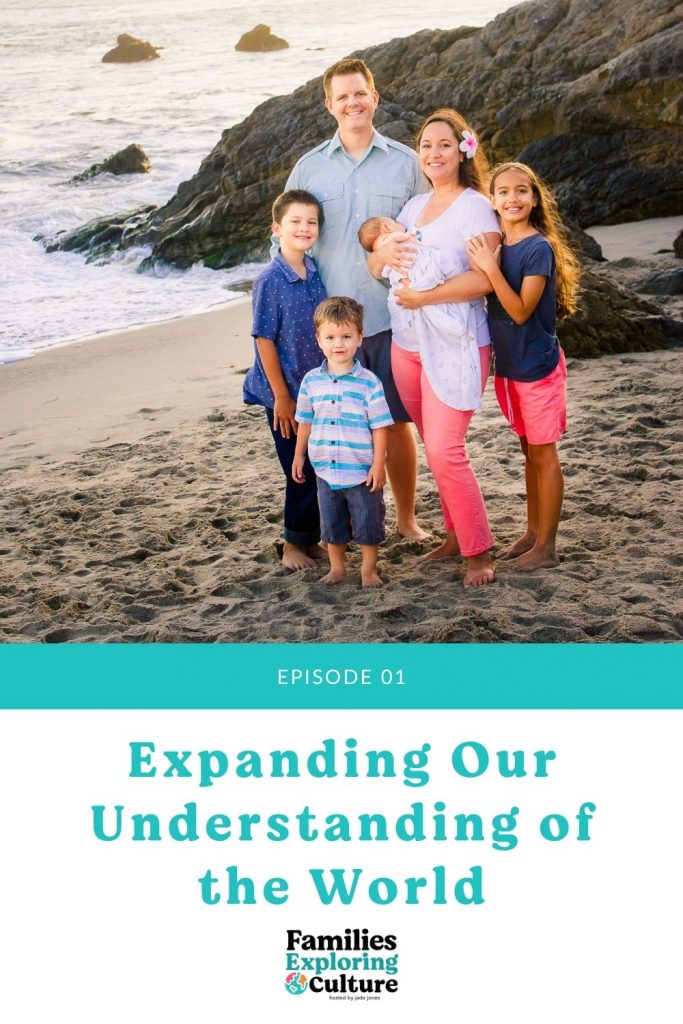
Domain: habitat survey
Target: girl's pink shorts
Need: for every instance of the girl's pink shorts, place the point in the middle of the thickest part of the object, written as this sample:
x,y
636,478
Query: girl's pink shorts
x,y
536,409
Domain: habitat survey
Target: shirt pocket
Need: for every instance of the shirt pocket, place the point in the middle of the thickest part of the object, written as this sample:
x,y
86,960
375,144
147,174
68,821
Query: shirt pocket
x,y
387,197
331,199
353,406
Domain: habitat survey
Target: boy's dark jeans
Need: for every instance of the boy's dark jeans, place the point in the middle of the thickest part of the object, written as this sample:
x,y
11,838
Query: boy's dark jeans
x,y
302,519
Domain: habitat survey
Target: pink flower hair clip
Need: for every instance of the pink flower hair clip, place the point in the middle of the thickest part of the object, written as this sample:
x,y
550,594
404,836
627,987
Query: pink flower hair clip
x,y
469,144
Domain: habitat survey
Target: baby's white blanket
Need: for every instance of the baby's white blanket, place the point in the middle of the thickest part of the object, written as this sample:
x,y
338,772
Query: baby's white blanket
x,y
443,333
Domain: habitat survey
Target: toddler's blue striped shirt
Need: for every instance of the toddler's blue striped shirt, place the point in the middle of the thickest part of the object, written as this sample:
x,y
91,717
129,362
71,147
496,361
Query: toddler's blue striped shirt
x,y
344,410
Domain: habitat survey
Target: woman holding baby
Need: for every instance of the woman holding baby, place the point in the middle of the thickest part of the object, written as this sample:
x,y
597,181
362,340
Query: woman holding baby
x,y
444,218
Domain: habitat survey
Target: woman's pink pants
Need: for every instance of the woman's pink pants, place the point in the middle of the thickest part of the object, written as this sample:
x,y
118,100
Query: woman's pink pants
x,y
443,431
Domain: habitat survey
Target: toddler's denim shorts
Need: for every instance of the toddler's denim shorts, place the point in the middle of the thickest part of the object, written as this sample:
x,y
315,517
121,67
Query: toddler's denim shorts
x,y
350,513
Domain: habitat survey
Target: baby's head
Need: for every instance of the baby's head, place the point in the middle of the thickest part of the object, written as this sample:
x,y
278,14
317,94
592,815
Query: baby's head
x,y
375,231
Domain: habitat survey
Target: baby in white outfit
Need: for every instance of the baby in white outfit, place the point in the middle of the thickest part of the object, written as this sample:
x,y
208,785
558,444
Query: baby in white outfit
x,y
443,333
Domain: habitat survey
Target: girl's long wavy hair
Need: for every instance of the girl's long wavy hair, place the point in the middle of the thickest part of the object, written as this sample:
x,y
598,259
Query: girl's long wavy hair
x,y
545,218
473,173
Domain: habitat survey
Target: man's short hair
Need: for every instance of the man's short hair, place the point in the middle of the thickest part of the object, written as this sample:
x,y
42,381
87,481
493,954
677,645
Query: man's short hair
x,y
295,195
348,66
340,309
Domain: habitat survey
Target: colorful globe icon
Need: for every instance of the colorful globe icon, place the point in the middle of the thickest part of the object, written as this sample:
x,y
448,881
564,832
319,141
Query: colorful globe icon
x,y
296,983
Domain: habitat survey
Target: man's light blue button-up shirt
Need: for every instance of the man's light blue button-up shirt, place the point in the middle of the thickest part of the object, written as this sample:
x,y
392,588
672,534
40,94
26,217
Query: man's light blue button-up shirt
x,y
377,185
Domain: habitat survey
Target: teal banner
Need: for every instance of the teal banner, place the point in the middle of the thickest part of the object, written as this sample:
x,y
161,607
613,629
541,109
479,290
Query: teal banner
x,y
313,676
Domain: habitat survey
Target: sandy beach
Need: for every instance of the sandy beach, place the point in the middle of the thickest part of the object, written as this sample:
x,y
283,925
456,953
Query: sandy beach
x,y
142,502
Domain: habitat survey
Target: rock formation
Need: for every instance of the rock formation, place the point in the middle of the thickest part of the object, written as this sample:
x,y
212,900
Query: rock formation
x,y
98,237
658,279
661,282
612,319
261,40
131,160
589,94
128,50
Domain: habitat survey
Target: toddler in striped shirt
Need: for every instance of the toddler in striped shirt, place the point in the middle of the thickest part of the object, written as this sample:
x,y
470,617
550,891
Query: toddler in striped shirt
x,y
343,419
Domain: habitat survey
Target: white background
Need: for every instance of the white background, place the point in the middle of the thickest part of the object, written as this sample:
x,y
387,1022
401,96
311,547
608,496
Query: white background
x,y
117,932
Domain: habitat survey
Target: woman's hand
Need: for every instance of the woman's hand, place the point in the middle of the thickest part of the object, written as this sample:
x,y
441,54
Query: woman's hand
x,y
399,254
409,298
481,256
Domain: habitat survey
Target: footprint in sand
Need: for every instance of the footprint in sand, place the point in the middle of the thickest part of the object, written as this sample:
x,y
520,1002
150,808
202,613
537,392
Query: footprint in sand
x,y
59,636
638,473
56,602
140,613
71,514
146,411
205,560
225,526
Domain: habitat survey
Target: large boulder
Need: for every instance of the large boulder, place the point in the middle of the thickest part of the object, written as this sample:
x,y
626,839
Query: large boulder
x,y
129,50
97,237
612,319
261,40
587,93
661,282
656,278
584,244
131,160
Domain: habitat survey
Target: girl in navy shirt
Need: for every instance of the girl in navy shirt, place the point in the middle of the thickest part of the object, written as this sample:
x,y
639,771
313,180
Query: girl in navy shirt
x,y
537,279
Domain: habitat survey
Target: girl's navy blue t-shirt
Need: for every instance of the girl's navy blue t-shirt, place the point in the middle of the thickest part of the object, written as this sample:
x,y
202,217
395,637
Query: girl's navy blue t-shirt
x,y
529,351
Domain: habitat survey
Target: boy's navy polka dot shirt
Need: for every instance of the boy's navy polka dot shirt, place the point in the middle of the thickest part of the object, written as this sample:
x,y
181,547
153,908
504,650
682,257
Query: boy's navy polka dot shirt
x,y
283,305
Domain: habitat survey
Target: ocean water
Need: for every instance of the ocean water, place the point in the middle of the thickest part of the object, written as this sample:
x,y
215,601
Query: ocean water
x,y
62,110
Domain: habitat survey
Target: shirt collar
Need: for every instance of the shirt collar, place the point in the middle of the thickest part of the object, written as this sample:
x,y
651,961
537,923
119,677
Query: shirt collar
x,y
353,372
291,275
377,140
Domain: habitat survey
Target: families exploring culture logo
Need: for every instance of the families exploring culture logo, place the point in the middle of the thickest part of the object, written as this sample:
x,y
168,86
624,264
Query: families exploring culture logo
x,y
395,276
349,965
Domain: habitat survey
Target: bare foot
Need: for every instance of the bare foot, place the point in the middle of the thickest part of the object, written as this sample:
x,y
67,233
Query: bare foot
x,y
525,543
370,579
333,576
480,570
449,549
537,558
295,558
411,531
317,551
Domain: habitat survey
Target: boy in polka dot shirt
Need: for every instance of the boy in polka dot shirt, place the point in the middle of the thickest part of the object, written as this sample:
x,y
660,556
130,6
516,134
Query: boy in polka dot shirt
x,y
285,296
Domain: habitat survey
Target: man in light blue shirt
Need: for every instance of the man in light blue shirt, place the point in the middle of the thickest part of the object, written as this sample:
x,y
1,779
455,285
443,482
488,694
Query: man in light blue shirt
x,y
356,175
